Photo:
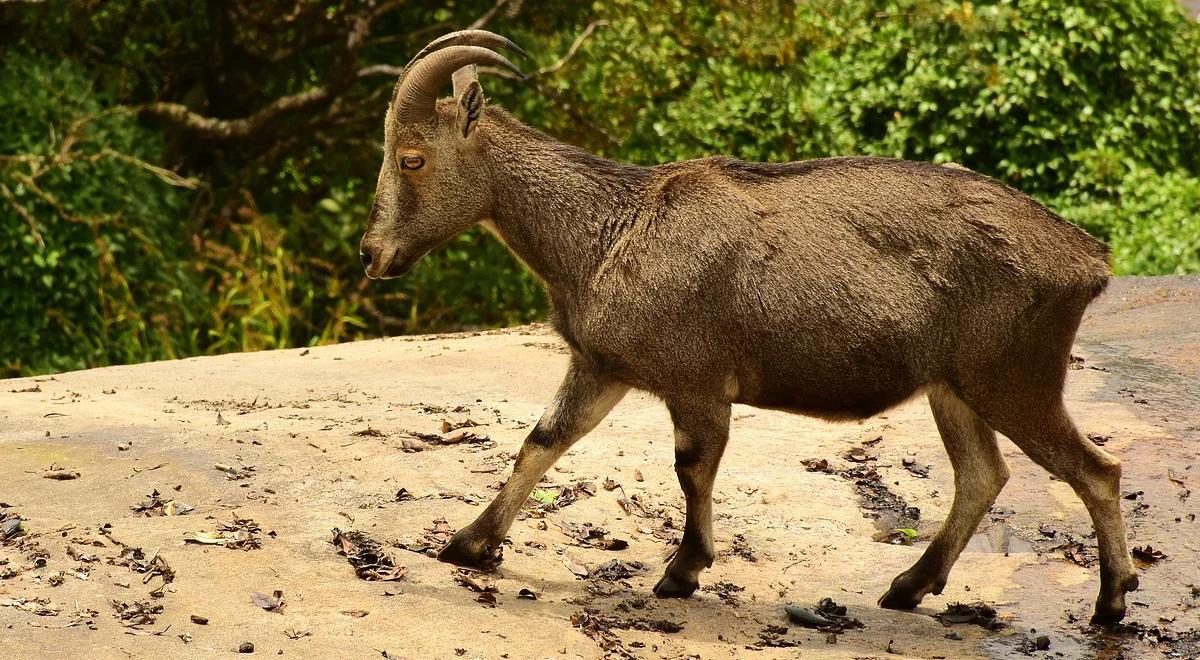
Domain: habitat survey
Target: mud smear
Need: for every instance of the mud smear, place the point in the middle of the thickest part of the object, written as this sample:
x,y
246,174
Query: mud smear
x,y
889,511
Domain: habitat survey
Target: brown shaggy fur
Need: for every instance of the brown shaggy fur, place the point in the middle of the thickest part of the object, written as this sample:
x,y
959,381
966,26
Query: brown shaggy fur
x,y
836,287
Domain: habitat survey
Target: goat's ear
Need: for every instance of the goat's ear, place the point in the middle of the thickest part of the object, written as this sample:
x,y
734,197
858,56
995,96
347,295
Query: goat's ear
x,y
470,108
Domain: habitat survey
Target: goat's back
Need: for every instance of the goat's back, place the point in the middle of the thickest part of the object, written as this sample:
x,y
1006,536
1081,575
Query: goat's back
x,y
837,286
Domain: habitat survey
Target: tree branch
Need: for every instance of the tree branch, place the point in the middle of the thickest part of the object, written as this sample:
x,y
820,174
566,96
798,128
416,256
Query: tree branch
x,y
482,21
562,61
226,129
24,213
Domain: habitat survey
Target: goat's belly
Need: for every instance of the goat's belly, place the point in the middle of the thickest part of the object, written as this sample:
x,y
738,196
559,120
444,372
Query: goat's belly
x,y
831,390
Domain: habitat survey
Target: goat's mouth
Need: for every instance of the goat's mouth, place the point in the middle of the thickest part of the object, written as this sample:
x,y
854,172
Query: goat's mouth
x,y
398,268
394,268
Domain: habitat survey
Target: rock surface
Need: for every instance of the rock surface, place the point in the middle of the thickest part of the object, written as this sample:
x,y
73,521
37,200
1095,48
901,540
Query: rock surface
x,y
294,443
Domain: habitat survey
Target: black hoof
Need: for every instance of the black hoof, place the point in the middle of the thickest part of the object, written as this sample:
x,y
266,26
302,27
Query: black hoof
x,y
465,550
907,591
1108,615
899,599
1111,609
671,586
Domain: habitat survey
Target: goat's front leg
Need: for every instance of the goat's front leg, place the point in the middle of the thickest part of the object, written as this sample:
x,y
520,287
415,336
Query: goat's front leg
x,y
701,432
583,399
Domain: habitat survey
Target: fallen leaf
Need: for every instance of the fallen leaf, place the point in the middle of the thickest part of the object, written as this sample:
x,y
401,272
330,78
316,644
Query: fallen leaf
x,y
272,603
207,538
475,580
806,617
858,455
60,475
978,613
1147,554
367,556
575,567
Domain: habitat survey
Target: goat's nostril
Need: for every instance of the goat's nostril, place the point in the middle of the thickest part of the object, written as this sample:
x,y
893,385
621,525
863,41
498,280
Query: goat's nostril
x,y
366,258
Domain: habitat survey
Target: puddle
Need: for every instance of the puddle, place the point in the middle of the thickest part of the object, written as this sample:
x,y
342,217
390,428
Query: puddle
x,y
996,539
1021,645
1163,395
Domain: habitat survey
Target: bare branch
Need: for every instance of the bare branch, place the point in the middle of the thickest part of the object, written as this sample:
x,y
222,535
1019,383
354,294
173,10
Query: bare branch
x,y
482,21
562,61
551,68
380,70
24,213
337,81
225,129
162,173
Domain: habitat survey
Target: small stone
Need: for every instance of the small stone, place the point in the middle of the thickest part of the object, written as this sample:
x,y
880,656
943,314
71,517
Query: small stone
x,y
246,647
954,636
1042,643
200,620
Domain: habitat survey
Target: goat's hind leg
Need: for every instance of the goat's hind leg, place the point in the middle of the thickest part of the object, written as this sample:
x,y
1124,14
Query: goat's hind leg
x,y
583,399
1048,436
979,474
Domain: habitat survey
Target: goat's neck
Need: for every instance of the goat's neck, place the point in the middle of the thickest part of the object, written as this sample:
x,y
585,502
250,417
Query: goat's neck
x,y
557,208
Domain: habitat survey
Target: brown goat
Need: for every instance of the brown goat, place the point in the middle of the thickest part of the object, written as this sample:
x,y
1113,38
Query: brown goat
x,y
836,288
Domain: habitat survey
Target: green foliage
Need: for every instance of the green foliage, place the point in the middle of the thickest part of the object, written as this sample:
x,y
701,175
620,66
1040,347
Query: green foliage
x,y
1021,91
1151,220
93,272
1093,108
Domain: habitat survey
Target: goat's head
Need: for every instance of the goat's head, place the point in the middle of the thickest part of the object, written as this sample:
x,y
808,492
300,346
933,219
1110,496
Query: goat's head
x,y
433,184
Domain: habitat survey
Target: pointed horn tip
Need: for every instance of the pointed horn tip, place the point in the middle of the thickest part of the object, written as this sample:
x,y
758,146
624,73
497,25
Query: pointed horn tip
x,y
516,49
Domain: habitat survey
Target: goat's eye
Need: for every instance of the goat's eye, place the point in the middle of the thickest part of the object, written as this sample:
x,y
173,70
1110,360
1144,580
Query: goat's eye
x,y
409,162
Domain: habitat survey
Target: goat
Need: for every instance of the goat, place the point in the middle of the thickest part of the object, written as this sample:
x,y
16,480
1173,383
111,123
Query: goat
x,y
835,288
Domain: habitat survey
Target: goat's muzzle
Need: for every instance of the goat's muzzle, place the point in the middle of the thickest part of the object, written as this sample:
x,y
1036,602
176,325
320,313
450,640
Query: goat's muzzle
x,y
380,263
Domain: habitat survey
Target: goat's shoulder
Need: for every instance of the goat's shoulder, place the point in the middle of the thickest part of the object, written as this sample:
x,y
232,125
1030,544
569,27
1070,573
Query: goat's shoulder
x,y
700,185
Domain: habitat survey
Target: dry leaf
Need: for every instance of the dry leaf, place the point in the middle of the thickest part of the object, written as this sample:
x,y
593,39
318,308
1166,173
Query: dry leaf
x,y
61,475
272,603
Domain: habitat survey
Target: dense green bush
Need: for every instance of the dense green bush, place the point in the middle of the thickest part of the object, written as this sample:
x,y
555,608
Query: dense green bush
x,y
1151,220
94,269
1029,92
1094,108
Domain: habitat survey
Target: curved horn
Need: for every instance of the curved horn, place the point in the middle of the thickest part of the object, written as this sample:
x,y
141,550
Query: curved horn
x,y
417,92
467,38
